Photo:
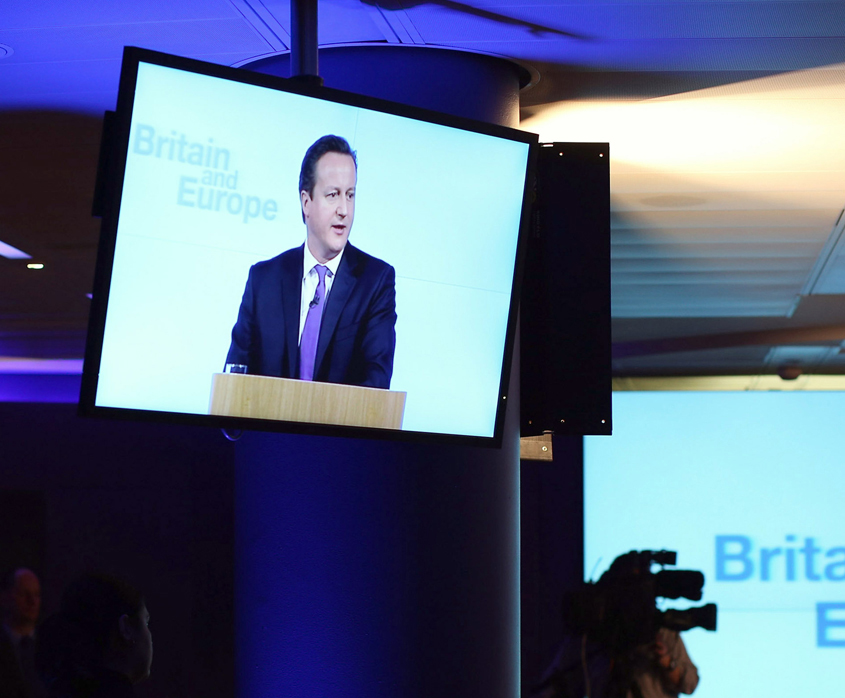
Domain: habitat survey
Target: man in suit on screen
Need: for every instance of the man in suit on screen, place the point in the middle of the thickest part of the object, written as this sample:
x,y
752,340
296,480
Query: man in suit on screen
x,y
323,311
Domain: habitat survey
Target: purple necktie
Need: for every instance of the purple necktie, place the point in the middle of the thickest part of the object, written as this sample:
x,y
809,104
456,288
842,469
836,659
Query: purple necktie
x,y
311,331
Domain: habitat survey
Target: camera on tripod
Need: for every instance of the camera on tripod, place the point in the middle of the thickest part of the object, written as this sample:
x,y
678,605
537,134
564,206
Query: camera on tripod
x,y
620,612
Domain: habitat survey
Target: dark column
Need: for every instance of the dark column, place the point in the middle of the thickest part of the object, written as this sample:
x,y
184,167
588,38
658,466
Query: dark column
x,y
367,568
464,84
303,29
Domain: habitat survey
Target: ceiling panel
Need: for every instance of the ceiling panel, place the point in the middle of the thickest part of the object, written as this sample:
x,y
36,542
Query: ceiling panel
x,y
636,180
639,270
60,13
808,357
701,301
97,42
78,86
730,19
742,234
713,361
687,278
448,23
90,88
795,83
703,245
665,54
338,21
678,219
828,274
652,21
825,200
685,298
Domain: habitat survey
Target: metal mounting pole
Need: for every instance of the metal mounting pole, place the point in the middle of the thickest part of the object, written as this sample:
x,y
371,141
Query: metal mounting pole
x,y
303,31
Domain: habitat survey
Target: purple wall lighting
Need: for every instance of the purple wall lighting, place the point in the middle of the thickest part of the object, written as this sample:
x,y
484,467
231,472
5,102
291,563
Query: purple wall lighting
x,y
40,380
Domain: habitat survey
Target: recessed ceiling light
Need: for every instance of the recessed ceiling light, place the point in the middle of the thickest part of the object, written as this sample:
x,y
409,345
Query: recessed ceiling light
x,y
35,265
5,51
12,252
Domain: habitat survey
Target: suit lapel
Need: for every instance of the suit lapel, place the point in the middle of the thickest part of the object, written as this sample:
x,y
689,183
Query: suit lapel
x,y
342,288
291,292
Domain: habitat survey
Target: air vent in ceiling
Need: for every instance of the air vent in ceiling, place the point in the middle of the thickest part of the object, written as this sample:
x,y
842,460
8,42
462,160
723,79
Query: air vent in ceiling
x,y
828,273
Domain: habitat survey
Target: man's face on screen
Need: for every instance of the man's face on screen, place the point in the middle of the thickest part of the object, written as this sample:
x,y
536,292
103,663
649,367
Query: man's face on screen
x,y
330,210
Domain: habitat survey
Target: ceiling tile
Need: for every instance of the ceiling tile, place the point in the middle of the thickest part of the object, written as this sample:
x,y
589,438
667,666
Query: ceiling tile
x,y
96,42
657,55
338,21
60,13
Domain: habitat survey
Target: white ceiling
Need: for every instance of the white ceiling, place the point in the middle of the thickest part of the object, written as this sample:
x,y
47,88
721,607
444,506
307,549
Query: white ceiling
x,y
727,161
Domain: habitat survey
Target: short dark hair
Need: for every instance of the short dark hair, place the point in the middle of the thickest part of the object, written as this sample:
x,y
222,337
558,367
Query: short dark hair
x,y
78,637
326,144
10,577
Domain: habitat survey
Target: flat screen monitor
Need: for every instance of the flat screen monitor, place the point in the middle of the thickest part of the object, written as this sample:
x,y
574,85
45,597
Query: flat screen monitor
x,y
287,257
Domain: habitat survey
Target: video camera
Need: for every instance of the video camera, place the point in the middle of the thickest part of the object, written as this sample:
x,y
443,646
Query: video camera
x,y
619,611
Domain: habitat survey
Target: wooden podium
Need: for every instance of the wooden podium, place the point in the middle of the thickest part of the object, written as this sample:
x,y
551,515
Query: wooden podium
x,y
265,397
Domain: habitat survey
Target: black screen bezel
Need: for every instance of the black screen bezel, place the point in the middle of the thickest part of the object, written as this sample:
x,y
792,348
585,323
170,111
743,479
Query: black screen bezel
x,y
109,192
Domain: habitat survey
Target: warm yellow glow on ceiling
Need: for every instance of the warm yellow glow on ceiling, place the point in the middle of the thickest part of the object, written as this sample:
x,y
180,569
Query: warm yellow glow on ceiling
x,y
732,383
784,123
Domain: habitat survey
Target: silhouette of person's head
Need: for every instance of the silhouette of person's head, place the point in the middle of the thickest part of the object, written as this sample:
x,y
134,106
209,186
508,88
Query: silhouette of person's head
x,y
21,600
101,630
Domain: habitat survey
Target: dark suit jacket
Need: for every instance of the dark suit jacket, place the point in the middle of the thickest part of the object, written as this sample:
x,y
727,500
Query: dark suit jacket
x,y
357,332
12,682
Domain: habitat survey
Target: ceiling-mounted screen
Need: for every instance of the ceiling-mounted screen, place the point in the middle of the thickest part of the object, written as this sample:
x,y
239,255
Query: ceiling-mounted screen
x,y
311,250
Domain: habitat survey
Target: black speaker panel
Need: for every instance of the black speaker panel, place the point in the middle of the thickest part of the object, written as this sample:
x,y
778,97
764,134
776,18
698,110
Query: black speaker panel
x,y
565,342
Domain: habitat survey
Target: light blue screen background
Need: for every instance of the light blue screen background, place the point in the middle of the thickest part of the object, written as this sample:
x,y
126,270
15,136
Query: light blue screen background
x,y
441,205
682,468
